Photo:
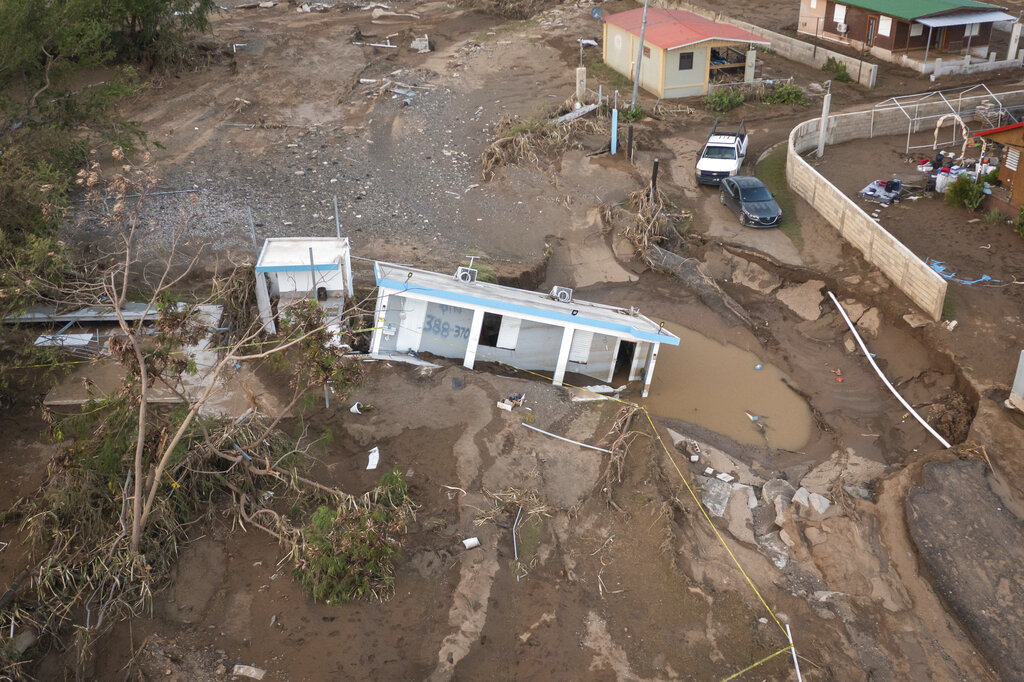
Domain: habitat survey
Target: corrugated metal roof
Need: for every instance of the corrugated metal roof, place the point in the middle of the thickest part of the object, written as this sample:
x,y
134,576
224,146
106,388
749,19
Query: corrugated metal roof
x,y
962,18
914,9
672,28
605,319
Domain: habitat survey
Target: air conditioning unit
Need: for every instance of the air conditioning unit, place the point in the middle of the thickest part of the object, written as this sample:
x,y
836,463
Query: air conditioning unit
x,y
561,294
843,28
467,275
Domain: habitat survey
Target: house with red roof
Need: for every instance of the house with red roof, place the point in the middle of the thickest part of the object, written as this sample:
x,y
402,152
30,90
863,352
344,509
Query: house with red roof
x,y
683,53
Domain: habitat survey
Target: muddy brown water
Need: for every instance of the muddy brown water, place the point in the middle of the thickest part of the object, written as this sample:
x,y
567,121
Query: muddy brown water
x,y
716,385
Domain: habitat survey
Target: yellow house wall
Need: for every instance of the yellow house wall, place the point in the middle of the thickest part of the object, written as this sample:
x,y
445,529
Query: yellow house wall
x,y
688,83
616,49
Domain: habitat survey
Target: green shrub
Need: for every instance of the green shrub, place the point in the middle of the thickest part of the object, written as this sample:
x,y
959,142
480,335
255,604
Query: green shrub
x,y
1018,224
635,114
349,552
837,69
992,177
786,93
965,193
723,100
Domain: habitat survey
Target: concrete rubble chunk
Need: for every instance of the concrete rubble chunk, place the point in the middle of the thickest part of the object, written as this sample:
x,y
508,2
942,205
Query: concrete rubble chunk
x,y
802,498
869,322
781,510
819,504
849,345
739,514
421,44
753,276
714,495
775,549
853,309
916,320
804,299
777,487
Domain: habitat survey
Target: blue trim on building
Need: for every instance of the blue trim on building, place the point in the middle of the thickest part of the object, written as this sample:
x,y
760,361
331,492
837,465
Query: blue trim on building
x,y
319,267
528,310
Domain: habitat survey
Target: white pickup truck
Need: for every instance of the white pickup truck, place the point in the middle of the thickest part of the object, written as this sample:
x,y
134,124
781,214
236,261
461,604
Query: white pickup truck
x,y
722,156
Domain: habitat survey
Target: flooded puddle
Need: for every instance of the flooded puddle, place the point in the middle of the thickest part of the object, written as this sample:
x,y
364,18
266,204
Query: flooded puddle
x,y
715,386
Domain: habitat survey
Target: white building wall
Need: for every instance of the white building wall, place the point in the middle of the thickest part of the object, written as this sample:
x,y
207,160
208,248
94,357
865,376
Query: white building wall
x,y
300,282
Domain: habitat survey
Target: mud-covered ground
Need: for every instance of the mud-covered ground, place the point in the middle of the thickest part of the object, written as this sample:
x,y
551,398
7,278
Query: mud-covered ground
x,y
639,589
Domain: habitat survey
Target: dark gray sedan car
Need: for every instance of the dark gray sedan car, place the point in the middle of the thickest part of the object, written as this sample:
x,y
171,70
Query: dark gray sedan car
x,y
751,200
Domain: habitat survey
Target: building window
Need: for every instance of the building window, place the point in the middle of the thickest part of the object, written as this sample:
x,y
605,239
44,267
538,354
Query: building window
x,y
814,4
885,26
916,30
647,51
839,15
685,61
972,30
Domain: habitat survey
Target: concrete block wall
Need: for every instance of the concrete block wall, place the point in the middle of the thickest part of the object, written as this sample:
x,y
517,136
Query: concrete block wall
x,y
910,274
865,73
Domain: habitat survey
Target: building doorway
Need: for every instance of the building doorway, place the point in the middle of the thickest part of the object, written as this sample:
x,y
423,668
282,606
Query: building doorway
x,y
624,360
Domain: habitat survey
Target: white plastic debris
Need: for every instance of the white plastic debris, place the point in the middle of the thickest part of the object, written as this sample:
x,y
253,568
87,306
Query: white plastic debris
x,y
355,409
725,477
374,458
470,543
249,671
709,471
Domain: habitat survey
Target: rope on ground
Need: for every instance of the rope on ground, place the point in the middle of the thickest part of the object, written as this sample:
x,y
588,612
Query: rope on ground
x,y
754,665
705,514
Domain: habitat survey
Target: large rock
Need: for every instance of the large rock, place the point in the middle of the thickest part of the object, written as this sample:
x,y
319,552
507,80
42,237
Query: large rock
x,y
804,299
777,487
811,506
848,468
714,495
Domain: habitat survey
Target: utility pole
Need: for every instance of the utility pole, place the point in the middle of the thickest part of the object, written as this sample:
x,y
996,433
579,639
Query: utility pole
x,y
636,80
639,56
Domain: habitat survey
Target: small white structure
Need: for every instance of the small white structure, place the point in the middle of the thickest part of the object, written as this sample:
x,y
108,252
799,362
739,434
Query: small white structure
x,y
294,268
458,317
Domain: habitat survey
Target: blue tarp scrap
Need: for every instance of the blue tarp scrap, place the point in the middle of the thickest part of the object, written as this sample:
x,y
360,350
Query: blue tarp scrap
x,y
940,267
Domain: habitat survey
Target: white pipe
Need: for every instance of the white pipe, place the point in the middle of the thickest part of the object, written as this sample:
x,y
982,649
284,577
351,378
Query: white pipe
x,y
796,663
864,348
574,442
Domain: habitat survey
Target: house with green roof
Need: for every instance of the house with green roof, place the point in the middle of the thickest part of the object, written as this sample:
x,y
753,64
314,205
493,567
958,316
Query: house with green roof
x,y
914,33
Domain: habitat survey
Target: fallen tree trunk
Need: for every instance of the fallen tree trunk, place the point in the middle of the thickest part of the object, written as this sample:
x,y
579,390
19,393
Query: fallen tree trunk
x,y
693,275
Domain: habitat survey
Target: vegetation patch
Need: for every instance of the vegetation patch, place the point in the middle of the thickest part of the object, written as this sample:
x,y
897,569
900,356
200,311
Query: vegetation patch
x,y
837,69
724,100
965,193
348,552
772,172
536,140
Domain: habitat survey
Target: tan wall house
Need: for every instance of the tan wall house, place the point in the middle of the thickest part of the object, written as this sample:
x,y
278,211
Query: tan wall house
x,y
682,52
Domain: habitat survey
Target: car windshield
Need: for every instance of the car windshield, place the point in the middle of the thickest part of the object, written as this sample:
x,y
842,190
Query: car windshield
x,y
720,153
755,194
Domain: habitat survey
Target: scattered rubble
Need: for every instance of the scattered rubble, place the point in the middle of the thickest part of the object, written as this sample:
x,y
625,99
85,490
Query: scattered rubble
x,y
803,299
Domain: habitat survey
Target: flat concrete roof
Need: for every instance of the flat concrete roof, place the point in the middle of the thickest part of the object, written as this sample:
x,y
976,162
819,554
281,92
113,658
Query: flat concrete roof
x,y
602,318
287,254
